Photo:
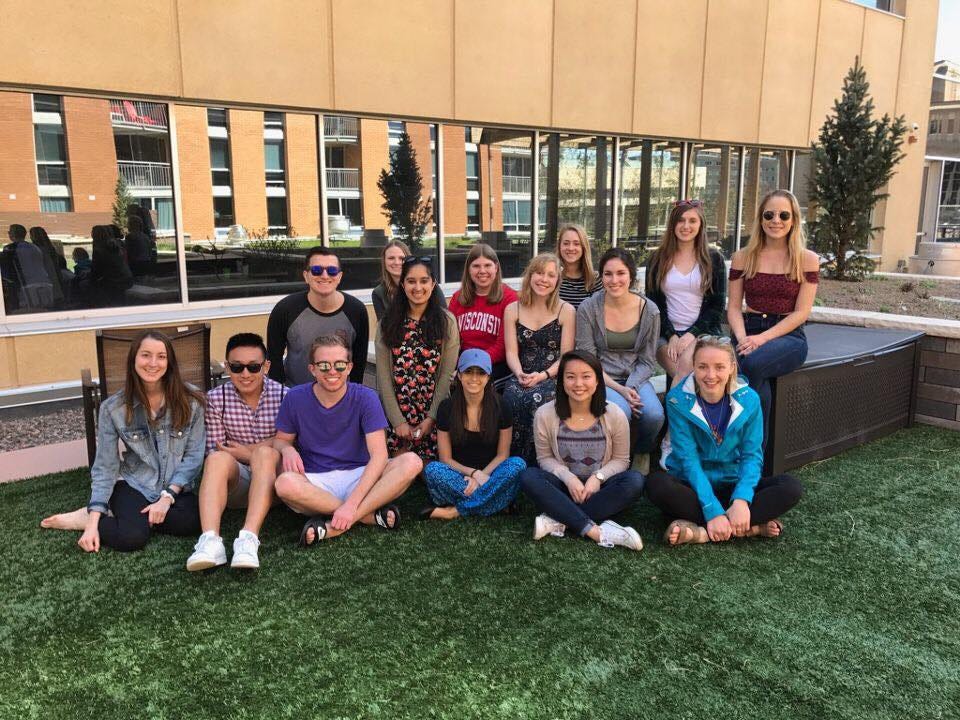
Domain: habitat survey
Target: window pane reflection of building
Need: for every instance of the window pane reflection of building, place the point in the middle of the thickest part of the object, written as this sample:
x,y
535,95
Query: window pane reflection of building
x,y
649,184
765,170
576,184
713,176
488,190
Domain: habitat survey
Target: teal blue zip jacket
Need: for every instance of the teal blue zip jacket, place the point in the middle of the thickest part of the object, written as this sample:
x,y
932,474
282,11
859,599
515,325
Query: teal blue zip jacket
x,y
693,455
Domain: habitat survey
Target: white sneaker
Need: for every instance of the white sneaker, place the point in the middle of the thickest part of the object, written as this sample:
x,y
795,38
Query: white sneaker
x,y
209,552
613,534
245,551
545,525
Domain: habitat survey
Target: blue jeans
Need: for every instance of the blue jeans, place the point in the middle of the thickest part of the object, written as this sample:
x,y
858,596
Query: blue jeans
x,y
446,487
550,496
650,419
780,356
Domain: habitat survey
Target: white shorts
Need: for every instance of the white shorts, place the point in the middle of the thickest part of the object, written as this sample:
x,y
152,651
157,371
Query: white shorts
x,y
339,483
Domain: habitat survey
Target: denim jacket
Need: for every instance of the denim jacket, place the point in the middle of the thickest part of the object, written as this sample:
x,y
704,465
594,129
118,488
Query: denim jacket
x,y
156,456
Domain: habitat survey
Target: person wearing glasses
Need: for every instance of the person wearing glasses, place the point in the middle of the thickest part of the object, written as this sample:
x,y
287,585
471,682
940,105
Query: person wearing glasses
x,y
621,327
710,485
583,451
299,318
539,328
241,463
149,487
417,346
777,277
686,279
479,305
391,263
334,452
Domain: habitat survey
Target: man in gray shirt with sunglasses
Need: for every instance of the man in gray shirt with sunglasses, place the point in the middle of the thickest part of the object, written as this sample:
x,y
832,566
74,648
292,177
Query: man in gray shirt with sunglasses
x,y
300,318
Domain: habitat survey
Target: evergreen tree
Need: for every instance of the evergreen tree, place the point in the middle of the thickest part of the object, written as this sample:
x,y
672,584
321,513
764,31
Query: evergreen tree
x,y
122,199
853,159
403,201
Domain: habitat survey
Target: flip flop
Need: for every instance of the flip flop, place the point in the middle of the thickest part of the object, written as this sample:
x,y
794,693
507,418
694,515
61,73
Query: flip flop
x,y
383,521
318,523
689,533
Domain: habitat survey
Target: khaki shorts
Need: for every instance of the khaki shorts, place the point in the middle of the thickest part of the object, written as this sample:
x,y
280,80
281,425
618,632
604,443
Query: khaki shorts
x,y
237,499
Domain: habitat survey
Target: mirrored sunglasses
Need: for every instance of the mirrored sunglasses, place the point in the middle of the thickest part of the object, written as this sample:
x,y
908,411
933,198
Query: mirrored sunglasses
x,y
318,270
324,366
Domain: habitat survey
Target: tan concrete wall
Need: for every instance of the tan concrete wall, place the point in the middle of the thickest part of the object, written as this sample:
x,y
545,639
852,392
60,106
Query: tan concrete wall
x,y
247,169
196,184
303,189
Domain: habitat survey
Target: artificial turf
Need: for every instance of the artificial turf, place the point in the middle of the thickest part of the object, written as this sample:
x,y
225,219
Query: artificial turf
x,y
854,613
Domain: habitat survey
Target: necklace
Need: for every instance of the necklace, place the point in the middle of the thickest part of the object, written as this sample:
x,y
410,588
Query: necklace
x,y
720,416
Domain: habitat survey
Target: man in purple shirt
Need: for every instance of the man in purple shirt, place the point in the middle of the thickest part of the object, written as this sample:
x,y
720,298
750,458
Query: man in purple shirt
x,y
241,463
330,434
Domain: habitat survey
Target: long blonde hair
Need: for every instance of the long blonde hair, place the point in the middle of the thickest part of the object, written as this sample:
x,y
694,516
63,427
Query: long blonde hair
x,y
468,291
663,257
796,240
586,261
719,343
389,284
539,264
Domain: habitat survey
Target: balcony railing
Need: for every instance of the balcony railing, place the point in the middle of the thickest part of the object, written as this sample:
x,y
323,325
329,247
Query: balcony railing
x,y
344,128
343,178
135,113
144,174
517,184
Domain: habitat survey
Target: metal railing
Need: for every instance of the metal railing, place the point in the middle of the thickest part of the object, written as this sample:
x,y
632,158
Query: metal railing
x,y
517,184
144,174
336,126
137,113
343,178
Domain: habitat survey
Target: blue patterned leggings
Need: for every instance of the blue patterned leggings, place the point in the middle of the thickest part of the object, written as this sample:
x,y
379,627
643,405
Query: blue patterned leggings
x,y
446,487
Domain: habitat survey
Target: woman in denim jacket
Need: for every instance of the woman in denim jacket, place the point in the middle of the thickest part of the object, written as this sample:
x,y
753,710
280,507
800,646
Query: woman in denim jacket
x,y
160,421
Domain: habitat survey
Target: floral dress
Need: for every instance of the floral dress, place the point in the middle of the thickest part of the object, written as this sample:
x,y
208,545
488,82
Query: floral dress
x,y
537,350
415,365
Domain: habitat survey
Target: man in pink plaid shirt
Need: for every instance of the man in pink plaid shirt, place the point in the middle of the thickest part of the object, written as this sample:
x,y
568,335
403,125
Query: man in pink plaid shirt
x,y
241,465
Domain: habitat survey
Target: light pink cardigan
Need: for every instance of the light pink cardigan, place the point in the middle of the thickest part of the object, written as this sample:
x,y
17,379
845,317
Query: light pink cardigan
x,y
616,455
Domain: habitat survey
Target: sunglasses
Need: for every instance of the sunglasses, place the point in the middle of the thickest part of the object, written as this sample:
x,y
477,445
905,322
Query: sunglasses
x,y
318,270
689,203
718,339
324,366
236,368
411,259
769,215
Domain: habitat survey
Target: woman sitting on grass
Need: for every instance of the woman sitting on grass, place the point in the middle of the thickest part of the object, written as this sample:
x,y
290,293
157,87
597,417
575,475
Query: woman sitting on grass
x,y
712,483
583,448
150,488
474,476
417,346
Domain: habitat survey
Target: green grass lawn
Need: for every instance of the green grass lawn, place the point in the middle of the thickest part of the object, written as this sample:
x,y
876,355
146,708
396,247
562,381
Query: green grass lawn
x,y
854,613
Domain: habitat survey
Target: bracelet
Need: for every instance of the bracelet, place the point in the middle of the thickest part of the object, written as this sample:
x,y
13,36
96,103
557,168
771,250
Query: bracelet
x,y
168,494
472,472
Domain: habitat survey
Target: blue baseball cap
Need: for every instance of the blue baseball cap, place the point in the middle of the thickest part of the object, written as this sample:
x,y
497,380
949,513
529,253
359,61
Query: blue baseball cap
x,y
474,358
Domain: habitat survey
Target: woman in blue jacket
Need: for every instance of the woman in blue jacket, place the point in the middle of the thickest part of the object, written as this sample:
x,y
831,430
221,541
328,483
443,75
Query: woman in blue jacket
x,y
711,481
149,488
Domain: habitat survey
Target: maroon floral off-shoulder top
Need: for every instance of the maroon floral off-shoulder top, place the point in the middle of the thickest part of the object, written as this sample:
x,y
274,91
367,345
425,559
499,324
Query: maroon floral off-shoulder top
x,y
772,293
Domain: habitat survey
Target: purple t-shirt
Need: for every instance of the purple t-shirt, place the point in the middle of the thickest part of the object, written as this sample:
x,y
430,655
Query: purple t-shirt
x,y
331,438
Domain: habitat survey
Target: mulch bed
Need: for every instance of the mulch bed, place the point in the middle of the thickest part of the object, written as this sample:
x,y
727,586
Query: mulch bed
x,y
906,296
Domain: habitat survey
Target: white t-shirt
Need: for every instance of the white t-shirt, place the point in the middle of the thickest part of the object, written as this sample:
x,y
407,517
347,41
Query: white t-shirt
x,y
684,297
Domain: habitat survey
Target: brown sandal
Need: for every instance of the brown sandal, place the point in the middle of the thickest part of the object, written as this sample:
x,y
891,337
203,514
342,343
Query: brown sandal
x,y
690,533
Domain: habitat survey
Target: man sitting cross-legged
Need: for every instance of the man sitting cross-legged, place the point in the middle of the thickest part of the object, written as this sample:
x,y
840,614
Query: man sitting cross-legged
x,y
330,434
241,464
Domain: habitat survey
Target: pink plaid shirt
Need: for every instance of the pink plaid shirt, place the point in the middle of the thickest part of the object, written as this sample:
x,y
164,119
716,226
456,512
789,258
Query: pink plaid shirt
x,y
228,417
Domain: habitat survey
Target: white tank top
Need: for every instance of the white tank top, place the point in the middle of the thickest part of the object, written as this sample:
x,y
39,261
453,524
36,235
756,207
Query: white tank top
x,y
684,297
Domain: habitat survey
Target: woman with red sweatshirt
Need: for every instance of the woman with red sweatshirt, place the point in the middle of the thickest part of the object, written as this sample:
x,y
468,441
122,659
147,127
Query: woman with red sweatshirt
x,y
478,306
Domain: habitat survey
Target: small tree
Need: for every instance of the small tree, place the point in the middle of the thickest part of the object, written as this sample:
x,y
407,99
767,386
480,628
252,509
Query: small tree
x,y
402,190
853,159
122,200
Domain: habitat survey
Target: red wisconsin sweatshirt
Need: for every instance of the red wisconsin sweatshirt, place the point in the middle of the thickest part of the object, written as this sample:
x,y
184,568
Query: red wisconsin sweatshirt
x,y
481,324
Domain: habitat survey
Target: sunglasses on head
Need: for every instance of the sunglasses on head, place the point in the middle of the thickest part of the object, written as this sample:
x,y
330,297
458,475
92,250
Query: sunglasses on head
x,y
318,270
688,203
236,367
719,339
324,366
769,215
411,259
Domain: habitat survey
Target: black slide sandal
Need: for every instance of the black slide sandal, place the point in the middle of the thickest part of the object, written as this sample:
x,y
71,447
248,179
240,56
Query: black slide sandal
x,y
318,523
381,517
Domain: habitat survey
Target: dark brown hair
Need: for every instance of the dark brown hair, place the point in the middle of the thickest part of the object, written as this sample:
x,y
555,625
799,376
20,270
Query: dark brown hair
x,y
489,413
176,393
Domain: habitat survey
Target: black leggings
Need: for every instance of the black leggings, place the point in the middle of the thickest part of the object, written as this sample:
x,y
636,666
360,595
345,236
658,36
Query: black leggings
x,y
771,499
129,528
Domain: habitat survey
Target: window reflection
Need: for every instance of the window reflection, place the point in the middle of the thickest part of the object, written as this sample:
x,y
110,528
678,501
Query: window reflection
x,y
713,176
488,190
764,170
649,184
88,209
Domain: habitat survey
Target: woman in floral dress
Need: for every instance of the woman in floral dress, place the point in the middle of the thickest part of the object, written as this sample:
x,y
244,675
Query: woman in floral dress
x,y
417,347
539,328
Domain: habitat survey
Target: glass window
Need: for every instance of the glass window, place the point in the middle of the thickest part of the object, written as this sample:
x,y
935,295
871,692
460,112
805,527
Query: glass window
x,y
52,174
649,185
948,226
216,117
223,212
273,119
764,170
51,146
480,197
713,176
277,215
273,162
55,204
46,103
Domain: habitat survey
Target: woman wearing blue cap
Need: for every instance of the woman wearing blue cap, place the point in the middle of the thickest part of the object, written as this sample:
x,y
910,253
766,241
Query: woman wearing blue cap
x,y
474,475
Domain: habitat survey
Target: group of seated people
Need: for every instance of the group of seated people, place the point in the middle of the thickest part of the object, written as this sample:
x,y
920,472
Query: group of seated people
x,y
546,392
